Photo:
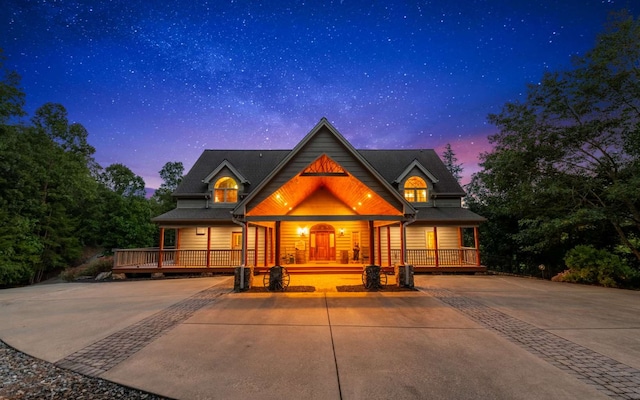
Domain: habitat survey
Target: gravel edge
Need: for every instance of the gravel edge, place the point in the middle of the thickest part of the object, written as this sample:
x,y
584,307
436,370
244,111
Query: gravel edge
x,y
26,377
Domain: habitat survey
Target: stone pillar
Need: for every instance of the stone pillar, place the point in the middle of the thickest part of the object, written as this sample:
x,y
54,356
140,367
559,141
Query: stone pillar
x,y
240,282
404,276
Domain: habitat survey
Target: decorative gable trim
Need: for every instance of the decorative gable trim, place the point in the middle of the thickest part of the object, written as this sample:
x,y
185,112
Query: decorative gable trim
x,y
415,164
234,171
324,166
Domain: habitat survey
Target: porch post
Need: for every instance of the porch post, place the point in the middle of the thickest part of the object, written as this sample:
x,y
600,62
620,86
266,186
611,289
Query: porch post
x,y
277,252
379,246
460,246
266,244
403,247
161,248
372,244
435,243
208,246
245,243
177,252
255,247
476,235
388,246
271,252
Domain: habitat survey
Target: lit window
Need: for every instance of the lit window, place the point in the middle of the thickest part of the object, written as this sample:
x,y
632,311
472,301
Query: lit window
x,y
415,190
225,191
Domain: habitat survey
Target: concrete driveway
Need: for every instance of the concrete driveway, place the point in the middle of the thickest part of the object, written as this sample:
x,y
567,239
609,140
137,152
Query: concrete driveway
x,y
457,337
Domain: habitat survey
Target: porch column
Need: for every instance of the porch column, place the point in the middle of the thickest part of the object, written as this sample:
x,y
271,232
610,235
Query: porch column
x,y
372,244
266,244
277,245
435,244
379,245
476,235
161,248
403,246
208,246
255,247
389,246
178,244
460,246
245,243
271,252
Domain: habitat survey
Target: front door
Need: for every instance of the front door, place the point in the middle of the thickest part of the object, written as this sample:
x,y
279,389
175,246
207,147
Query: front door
x,y
322,246
323,243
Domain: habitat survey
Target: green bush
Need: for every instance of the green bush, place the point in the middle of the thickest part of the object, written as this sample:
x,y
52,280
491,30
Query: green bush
x,y
596,266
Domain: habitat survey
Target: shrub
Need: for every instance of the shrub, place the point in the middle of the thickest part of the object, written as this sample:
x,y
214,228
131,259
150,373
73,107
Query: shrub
x,y
95,267
596,266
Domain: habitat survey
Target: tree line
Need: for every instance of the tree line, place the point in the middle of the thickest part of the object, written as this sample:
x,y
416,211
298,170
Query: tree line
x,y
561,186
56,201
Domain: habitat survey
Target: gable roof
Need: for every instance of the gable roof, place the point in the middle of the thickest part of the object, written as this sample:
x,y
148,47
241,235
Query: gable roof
x,y
226,164
416,165
324,126
391,164
257,165
253,165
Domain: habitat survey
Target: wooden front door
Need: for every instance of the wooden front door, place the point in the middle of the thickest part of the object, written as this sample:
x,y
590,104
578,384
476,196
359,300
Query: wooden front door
x,y
322,246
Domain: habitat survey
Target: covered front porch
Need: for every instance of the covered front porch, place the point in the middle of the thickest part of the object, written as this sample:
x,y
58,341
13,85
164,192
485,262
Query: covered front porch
x,y
306,247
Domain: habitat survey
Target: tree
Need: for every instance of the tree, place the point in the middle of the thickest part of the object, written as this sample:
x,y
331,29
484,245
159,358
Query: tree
x,y
11,95
451,162
565,162
126,222
171,174
121,180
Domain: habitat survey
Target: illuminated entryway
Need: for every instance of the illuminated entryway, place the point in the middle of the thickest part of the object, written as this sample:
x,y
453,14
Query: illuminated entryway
x,y
322,243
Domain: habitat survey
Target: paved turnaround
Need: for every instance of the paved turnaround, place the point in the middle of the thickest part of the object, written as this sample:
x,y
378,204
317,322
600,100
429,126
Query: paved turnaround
x,y
456,337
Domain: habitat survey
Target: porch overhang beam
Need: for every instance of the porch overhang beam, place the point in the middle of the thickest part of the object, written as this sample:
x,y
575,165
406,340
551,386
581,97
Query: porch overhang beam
x,y
397,218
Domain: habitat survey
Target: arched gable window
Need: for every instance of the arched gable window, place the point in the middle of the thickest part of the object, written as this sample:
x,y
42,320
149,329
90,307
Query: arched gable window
x,y
415,190
225,191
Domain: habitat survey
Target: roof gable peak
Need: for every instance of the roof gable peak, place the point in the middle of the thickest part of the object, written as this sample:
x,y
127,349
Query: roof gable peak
x,y
415,164
226,164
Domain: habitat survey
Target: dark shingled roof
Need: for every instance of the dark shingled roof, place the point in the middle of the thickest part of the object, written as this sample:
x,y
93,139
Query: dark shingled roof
x,y
255,165
391,163
455,215
197,215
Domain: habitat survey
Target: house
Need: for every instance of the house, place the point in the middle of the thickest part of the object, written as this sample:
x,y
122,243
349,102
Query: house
x,y
323,204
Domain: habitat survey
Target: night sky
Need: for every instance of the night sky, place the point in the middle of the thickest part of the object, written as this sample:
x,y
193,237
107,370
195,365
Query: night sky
x,y
157,82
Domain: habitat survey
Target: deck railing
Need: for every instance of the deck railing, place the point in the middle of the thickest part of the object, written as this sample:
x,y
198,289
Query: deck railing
x,y
149,257
440,257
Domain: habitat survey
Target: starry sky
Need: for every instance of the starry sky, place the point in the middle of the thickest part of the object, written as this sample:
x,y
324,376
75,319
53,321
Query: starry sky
x,y
159,81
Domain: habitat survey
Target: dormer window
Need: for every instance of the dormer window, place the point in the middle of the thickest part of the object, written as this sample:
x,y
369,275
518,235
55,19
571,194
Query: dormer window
x,y
225,191
415,190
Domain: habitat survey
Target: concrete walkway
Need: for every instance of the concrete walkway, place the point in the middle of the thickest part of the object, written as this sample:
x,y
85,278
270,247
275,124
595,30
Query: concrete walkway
x,y
457,337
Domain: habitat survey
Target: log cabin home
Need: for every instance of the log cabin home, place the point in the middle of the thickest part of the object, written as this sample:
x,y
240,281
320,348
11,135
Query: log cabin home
x,y
323,206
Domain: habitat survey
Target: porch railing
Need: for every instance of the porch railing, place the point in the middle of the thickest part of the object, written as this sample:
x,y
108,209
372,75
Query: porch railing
x,y
149,257
440,257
